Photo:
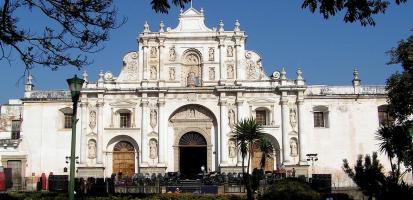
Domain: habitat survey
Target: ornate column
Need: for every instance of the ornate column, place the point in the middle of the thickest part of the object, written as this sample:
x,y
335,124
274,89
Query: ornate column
x,y
83,133
239,118
285,139
144,134
162,134
301,135
222,72
161,48
238,57
144,59
99,106
222,135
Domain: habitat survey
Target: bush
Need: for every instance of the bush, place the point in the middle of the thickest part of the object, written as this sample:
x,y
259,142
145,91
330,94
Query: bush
x,y
290,189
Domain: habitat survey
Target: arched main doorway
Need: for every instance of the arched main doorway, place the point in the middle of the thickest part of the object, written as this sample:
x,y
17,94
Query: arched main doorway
x,y
124,158
192,154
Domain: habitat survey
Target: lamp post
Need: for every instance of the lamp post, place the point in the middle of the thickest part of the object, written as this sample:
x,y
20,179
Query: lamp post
x,y
75,86
313,158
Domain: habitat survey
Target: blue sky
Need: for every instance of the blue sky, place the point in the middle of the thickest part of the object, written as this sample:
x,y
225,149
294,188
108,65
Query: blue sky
x,y
283,33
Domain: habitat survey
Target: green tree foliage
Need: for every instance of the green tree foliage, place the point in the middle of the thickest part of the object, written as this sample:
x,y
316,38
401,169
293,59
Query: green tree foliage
x,y
73,29
373,182
248,134
361,11
290,189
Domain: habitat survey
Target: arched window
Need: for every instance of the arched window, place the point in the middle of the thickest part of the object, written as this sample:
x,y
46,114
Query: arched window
x,y
320,114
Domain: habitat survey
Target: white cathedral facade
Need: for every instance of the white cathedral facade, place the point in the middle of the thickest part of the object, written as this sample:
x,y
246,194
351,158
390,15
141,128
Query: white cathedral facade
x,y
173,108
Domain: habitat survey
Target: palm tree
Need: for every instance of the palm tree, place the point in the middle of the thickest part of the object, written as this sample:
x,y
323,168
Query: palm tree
x,y
248,133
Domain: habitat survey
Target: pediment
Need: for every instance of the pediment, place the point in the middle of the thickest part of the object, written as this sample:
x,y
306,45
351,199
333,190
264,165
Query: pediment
x,y
191,21
123,104
264,101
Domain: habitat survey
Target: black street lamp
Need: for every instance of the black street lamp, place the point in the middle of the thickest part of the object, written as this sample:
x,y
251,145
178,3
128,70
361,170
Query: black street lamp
x,y
75,86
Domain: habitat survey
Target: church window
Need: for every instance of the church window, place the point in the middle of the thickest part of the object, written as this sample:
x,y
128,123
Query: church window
x,y
124,119
66,115
383,113
320,114
15,129
68,120
261,117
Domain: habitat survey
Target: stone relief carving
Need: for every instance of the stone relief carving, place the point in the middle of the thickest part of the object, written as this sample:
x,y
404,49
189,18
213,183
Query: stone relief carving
x,y
211,73
172,54
230,51
91,149
92,119
192,112
231,118
153,73
191,97
230,71
130,64
153,149
293,117
211,53
108,76
172,73
293,147
254,69
154,118
153,52
232,149
191,59
4,122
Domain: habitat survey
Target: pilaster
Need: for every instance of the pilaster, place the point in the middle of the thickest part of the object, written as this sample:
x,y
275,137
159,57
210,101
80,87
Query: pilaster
x,y
99,106
284,121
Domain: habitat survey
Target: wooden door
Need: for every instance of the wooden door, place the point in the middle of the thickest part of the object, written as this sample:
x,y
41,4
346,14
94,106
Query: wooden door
x,y
16,166
256,159
124,159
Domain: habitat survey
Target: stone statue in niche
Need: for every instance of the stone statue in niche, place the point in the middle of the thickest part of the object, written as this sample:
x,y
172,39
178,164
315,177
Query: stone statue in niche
x,y
230,71
190,79
230,51
153,52
92,119
232,150
172,54
211,73
153,73
293,117
211,54
293,147
172,73
231,118
154,117
153,149
91,149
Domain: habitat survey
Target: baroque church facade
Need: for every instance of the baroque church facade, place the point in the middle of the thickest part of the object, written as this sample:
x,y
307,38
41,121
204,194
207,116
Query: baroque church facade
x,y
173,108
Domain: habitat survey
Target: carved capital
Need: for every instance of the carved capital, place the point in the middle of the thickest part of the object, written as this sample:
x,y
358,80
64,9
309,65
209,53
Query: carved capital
x,y
161,103
144,103
222,102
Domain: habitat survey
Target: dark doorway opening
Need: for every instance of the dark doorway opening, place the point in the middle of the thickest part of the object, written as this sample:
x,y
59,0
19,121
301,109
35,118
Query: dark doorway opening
x,y
192,159
192,155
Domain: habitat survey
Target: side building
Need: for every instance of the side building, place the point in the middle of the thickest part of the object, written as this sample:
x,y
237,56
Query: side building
x,y
174,105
